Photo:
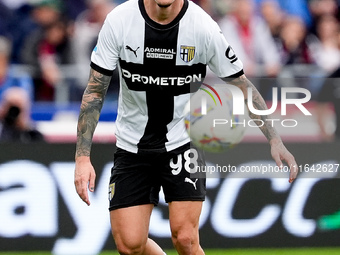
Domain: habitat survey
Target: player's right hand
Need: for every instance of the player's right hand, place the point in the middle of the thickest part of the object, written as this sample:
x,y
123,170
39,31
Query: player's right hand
x,y
84,178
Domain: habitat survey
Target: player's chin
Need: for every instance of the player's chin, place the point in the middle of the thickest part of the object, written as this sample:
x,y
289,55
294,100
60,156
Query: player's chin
x,y
164,3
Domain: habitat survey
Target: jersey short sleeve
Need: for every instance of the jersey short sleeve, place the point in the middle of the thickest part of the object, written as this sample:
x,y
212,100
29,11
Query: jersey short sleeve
x,y
105,55
222,59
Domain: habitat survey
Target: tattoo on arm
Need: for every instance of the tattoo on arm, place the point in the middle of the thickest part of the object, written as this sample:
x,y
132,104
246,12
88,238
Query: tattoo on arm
x,y
91,106
258,102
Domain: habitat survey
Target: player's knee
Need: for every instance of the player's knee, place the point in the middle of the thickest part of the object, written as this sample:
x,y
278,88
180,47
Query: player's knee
x,y
183,239
130,247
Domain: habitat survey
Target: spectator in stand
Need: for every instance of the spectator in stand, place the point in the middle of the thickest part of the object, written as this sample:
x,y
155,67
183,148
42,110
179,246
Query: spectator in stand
x,y
299,68
293,42
329,99
252,43
319,8
251,39
274,16
326,51
46,50
298,8
28,20
86,28
8,77
15,122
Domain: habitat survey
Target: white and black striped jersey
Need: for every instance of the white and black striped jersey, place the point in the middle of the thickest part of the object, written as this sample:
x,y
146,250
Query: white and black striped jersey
x,y
159,66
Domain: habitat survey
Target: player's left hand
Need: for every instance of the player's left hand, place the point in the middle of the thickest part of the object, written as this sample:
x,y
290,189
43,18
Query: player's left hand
x,y
280,153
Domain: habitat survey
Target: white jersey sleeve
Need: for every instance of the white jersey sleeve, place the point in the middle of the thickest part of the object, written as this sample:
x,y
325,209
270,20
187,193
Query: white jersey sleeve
x,y
106,53
221,58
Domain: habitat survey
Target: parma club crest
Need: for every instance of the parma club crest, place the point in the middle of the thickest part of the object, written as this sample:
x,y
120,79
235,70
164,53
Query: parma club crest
x,y
187,53
111,190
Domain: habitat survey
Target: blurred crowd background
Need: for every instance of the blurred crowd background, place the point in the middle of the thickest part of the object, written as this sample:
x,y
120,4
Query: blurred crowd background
x,y
45,48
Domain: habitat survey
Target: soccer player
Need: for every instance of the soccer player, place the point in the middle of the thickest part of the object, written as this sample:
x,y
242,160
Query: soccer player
x,y
162,48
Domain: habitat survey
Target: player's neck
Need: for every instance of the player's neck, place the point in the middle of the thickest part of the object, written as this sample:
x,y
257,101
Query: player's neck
x,y
163,15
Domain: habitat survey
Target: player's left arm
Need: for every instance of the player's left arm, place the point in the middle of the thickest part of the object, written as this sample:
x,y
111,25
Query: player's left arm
x,y
278,150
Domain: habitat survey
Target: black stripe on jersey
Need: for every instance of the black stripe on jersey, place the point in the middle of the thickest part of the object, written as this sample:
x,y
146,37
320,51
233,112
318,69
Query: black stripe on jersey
x,y
101,70
159,102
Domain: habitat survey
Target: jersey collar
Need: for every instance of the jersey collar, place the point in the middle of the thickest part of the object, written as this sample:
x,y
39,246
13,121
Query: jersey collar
x,y
160,26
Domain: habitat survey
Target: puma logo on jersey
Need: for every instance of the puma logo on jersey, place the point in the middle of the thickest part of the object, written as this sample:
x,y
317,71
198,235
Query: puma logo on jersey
x,y
191,181
130,49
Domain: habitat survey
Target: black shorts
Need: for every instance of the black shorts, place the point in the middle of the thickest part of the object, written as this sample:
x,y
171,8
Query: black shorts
x,y
136,179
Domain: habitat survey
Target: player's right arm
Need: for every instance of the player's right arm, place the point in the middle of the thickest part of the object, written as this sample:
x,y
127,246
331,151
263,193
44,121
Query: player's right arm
x,y
91,105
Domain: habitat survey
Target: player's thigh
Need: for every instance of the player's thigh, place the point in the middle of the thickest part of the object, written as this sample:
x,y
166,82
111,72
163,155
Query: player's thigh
x,y
184,217
130,225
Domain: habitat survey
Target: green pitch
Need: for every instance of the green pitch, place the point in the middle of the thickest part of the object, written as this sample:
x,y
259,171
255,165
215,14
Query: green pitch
x,y
297,251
